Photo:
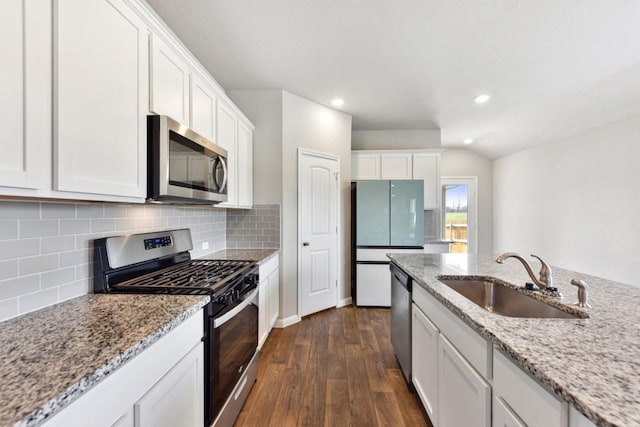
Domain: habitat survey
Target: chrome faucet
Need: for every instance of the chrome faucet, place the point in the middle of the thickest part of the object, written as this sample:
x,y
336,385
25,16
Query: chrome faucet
x,y
544,282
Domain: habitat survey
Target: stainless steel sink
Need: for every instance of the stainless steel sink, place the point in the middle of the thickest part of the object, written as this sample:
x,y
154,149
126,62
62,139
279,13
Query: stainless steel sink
x,y
496,297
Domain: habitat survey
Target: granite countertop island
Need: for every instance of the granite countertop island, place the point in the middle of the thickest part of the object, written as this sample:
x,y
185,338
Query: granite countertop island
x,y
50,357
591,363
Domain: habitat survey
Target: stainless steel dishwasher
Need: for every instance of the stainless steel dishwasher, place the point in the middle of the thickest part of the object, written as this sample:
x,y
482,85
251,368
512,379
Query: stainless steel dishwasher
x,y
401,284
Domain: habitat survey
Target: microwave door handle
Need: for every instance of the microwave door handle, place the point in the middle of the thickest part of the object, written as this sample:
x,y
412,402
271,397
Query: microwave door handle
x,y
223,186
214,177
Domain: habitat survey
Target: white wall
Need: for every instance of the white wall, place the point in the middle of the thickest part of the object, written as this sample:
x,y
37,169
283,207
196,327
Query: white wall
x,y
313,126
264,109
461,162
574,203
395,139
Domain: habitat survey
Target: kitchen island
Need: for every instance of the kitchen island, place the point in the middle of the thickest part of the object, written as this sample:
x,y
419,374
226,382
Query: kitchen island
x,y
590,363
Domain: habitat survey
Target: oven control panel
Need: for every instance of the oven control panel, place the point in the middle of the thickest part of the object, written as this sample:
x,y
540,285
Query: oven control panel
x,y
157,242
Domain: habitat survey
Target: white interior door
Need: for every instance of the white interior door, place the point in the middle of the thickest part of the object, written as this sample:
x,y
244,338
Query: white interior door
x,y
318,231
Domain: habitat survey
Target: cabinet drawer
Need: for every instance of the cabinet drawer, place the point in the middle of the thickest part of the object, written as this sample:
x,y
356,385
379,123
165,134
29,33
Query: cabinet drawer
x,y
267,267
531,402
476,349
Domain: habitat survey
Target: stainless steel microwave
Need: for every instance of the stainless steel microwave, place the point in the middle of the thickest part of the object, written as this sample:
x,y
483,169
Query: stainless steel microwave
x,y
183,167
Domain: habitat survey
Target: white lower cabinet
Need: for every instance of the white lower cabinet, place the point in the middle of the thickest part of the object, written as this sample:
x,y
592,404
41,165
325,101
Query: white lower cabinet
x,y
527,400
464,396
269,297
424,361
503,416
162,386
463,381
454,391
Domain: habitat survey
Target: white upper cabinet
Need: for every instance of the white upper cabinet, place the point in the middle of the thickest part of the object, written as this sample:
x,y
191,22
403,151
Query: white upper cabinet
x,y
365,166
426,167
227,138
401,164
25,104
395,166
245,165
101,93
169,82
203,108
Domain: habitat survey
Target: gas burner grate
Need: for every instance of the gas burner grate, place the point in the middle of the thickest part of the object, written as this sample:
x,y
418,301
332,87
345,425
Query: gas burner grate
x,y
192,277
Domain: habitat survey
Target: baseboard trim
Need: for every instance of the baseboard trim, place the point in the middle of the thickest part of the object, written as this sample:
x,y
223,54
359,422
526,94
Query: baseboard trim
x,y
343,302
283,323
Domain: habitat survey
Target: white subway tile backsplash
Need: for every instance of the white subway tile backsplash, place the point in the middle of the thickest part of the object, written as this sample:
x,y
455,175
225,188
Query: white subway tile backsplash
x,y
8,308
80,256
37,300
10,249
49,245
38,267
57,211
8,230
95,210
38,228
19,210
75,289
74,226
58,277
103,225
37,264
8,269
22,285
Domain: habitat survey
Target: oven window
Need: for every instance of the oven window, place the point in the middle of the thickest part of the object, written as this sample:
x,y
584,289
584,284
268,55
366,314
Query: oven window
x,y
193,166
233,345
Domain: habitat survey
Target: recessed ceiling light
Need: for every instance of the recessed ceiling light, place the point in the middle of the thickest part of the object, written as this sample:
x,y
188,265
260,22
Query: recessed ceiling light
x,y
481,99
468,141
338,102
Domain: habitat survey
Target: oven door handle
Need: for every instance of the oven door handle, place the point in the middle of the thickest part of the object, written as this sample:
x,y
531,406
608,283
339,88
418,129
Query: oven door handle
x,y
227,316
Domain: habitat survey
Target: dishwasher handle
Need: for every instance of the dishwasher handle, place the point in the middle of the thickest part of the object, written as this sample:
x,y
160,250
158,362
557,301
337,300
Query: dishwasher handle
x,y
399,276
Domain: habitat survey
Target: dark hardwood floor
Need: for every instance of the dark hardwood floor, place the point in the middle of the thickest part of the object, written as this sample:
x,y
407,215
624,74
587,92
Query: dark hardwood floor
x,y
334,368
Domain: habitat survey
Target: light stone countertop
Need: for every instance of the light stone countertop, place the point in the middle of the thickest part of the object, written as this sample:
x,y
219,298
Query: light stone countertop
x,y
50,357
257,255
594,363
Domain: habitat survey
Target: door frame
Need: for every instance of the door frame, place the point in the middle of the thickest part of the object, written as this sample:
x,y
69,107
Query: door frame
x,y
472,182
318,154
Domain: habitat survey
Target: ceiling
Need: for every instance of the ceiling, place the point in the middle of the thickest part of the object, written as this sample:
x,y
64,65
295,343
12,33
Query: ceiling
x,y
554,68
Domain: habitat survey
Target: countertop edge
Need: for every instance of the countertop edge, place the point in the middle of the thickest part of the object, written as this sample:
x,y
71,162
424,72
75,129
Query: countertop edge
x,y
72,393
547,382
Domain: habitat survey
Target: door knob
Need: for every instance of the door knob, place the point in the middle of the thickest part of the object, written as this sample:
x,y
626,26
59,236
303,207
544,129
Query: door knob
x,y
305,243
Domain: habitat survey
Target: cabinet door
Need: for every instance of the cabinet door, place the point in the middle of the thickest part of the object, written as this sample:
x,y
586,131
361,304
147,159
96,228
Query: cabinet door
x,y
464,396
274,297
203,108
169,82
425,167
365,166
245,165
178,398
424,361
25,47
263,311
503,416
395,166
227,139
101,88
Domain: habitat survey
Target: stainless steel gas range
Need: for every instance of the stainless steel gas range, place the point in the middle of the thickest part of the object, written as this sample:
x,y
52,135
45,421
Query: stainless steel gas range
x,y
160,263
